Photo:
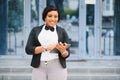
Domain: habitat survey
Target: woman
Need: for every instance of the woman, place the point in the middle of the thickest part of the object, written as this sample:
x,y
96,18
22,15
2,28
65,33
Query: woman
x,y
48,44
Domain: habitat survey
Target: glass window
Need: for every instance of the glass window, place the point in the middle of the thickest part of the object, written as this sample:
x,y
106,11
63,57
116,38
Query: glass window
x,y
107,37
108,5
69,21
15,27
34,12
12,41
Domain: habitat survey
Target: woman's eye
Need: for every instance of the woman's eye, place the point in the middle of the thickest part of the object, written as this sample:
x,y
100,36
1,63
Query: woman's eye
x,y
56,16
49,15
52,16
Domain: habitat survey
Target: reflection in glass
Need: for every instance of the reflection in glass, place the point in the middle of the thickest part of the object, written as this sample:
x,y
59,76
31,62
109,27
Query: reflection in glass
x,y
15,27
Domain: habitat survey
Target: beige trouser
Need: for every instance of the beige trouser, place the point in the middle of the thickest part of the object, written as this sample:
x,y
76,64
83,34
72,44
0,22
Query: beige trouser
x,y
51,70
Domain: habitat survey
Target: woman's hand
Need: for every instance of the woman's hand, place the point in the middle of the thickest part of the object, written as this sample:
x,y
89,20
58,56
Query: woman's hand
x,y
39,49
50,47
62,48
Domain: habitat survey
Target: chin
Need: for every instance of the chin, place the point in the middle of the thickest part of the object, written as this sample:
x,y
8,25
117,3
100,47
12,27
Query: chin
x,y
52,25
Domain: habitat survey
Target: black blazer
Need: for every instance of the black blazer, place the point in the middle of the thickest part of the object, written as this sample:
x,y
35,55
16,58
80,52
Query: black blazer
x,y
33,42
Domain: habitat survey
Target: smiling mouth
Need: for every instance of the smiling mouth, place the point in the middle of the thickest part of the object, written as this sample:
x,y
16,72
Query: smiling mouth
x,y
52,23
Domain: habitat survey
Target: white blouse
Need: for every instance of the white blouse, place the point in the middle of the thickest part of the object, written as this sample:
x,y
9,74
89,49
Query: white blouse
x,y
47,37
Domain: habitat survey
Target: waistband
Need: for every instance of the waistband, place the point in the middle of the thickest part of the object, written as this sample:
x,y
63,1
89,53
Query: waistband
x,y
53,60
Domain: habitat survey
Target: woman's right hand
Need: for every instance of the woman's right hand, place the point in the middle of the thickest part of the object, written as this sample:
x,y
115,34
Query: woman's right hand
x,y
50,47
39,49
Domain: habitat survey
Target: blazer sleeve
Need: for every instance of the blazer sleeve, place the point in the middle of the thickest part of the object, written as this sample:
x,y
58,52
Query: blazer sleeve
x,y
66,39
32,42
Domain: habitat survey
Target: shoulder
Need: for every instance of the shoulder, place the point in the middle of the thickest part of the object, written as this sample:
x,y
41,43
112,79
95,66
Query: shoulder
x,y
37,27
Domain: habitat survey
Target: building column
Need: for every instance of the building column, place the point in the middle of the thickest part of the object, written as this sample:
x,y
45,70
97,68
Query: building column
x,y
82,28
117,27
3,27
27,20
97,27
42,5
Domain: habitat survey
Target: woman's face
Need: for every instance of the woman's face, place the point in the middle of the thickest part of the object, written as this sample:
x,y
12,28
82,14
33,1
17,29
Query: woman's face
x,y
51,18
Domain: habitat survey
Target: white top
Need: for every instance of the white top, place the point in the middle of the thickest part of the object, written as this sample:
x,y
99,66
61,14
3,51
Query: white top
x,y
47,37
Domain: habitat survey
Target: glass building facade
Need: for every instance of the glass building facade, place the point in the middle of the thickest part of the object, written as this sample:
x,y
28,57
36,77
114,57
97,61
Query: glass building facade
x,y
90,26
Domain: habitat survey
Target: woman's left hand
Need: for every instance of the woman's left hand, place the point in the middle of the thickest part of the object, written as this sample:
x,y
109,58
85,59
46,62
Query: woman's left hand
x,y
61,47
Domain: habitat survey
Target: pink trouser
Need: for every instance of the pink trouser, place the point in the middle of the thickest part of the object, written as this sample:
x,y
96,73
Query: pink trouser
x,y
51,70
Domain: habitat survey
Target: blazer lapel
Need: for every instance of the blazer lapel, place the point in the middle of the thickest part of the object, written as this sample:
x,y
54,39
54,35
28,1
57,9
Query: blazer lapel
x,y
59,32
